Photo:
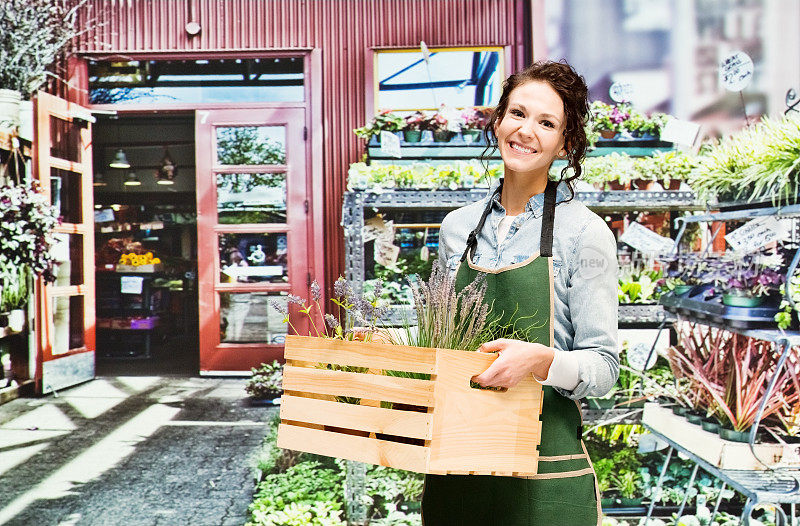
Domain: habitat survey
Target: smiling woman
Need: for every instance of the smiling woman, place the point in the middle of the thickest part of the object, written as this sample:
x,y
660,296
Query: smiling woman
x,y
539,265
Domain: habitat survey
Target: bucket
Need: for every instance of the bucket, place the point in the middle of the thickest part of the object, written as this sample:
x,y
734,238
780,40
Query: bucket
x,y
9,108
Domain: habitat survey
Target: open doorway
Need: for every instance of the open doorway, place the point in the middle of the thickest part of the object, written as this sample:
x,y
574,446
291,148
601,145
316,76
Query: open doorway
x,y
146,244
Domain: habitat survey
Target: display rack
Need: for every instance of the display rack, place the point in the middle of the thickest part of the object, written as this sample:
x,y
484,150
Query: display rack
x,y
773,486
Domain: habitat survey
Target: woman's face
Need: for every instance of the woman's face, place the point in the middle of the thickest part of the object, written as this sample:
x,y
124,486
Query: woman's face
x,y
530,134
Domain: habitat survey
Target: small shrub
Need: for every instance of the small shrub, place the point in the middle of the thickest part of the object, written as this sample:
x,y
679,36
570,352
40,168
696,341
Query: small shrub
x,y
266,381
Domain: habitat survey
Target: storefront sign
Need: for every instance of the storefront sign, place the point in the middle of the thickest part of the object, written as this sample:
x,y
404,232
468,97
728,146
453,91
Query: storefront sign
x,y
755,234
736,71
645,240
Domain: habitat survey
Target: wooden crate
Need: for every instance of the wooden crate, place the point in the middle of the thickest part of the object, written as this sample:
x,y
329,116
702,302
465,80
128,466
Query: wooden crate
x,y
455,429
713,449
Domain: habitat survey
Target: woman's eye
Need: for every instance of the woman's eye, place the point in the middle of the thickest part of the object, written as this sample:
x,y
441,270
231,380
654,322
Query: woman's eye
x,y
548,124
516,113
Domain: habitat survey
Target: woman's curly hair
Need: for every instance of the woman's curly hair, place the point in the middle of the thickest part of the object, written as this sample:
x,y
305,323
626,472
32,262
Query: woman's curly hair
x,y
571,87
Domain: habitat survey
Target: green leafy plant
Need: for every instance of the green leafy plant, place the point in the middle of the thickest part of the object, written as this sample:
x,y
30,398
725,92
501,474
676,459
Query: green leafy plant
x,y
784,316
603,169
383,121
638,285
265,381
628,484
14,286
665,167
458,174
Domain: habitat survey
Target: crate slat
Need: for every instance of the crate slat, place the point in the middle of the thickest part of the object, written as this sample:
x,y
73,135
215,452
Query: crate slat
x,y
350,416
358,385
382,356
360,449
464,417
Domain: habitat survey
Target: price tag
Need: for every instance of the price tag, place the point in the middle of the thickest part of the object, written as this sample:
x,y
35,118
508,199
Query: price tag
x,y
756,233
390,144
386,253
680,132
131,284
736,71
376,228
639,354
621,92
645,240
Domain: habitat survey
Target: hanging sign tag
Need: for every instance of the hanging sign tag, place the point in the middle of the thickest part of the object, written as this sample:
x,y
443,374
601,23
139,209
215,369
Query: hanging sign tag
x,y
680,132
645,240
386,253
756,233
621,91
130,284
736,71
390,144
376,227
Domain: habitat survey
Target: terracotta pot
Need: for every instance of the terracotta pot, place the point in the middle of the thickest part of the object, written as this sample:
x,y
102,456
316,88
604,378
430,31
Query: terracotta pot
x,y
674,184
641,184
616,185
608,134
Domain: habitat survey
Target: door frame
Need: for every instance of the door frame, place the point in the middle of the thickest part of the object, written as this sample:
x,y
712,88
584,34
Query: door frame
x,y
312,65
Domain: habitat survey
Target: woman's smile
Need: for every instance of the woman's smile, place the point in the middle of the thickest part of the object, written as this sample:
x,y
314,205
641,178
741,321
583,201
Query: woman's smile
x,y
517,147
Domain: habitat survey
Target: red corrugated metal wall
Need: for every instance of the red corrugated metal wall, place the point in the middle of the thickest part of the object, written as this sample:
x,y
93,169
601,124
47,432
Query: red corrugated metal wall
x,y
342,29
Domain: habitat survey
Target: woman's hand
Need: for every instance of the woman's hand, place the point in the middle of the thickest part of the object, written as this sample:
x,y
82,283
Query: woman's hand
x,y
516,360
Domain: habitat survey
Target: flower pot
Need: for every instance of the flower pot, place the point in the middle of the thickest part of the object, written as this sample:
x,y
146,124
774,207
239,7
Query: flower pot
x,y
674,184
738,300
734,436
616,185
682,289
679,410
442,136
608,134
412,135
16,320
26,120
471,136
641,184
710,425
9,108
607,502
694,417
626,502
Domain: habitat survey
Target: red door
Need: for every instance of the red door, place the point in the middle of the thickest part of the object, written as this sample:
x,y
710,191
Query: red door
x,y
65,315
252,233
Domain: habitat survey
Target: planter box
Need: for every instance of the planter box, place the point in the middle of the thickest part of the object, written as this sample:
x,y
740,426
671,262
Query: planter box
x,y
713,449
461,431
144,269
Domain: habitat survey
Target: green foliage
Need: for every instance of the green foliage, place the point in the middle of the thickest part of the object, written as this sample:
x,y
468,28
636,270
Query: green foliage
x,y
384,121
458,174
266,380
388,488
245,145
638,285
14,286
298,514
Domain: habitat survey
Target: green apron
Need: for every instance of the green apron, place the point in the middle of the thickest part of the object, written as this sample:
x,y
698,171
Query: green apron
x,y
563,493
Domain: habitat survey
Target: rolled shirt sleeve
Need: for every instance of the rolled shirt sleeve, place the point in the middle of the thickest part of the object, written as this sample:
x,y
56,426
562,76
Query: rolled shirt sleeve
x,y
593,302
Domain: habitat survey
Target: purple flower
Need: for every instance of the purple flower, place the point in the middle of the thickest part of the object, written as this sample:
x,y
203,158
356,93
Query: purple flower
x,y
331,321
280,307
341,289
316,292
291,298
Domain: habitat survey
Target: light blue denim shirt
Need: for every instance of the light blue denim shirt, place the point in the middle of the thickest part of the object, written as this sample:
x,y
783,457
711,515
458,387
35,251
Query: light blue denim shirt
x,y
584,273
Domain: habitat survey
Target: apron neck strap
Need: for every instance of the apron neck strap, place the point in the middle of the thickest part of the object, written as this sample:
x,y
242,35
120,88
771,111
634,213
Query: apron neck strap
x,y
546,242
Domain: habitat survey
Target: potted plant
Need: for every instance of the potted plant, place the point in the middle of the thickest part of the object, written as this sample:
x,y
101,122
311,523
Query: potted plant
x,y
668,168
651,127
629,483
474,121
746,284
439,123
266,382
634,124
415,124
14,294
607,120
35,33
383,121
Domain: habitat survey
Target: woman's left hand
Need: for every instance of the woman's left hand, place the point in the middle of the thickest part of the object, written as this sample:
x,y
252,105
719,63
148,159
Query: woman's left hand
x,y
516,360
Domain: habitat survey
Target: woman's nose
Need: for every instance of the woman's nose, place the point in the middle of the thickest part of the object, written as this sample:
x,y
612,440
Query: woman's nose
x,y
526,128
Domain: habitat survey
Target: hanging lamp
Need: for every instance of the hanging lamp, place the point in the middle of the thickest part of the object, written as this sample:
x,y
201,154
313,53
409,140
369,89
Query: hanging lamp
x,y
167,171
120,160
132,179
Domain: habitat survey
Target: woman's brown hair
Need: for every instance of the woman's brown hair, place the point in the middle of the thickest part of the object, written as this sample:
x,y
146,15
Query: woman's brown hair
x,y
571,87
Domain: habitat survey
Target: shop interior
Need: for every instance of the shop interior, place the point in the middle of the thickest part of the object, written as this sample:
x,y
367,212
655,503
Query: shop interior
x,y
145,244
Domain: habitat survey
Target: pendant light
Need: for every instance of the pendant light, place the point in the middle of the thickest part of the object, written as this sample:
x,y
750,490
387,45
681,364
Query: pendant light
x,y
98,179
132,179
120,160
167,171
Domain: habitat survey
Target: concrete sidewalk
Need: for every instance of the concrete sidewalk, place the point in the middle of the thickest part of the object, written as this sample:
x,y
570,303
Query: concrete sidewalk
x,y
131,451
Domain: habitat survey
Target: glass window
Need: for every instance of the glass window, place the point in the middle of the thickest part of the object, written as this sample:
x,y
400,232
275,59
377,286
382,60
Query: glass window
x,y
197,81
67,323
68,253
251,145
65,140
253,258
252,317
453,77
251,198
65,195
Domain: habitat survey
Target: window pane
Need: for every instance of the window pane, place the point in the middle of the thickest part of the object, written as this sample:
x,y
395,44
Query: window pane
x,y
251,145
67,324
65,140
253,258
251,317
197,81
65,195
68,252
251,198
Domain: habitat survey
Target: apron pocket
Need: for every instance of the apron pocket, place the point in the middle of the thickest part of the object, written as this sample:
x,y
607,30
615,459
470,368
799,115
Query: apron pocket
x,y
570,501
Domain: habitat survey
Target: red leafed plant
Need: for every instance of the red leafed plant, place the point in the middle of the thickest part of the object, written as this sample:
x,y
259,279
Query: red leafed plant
x,y
728,375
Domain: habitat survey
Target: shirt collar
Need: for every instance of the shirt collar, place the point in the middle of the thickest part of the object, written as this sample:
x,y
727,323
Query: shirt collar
x,y
536,203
